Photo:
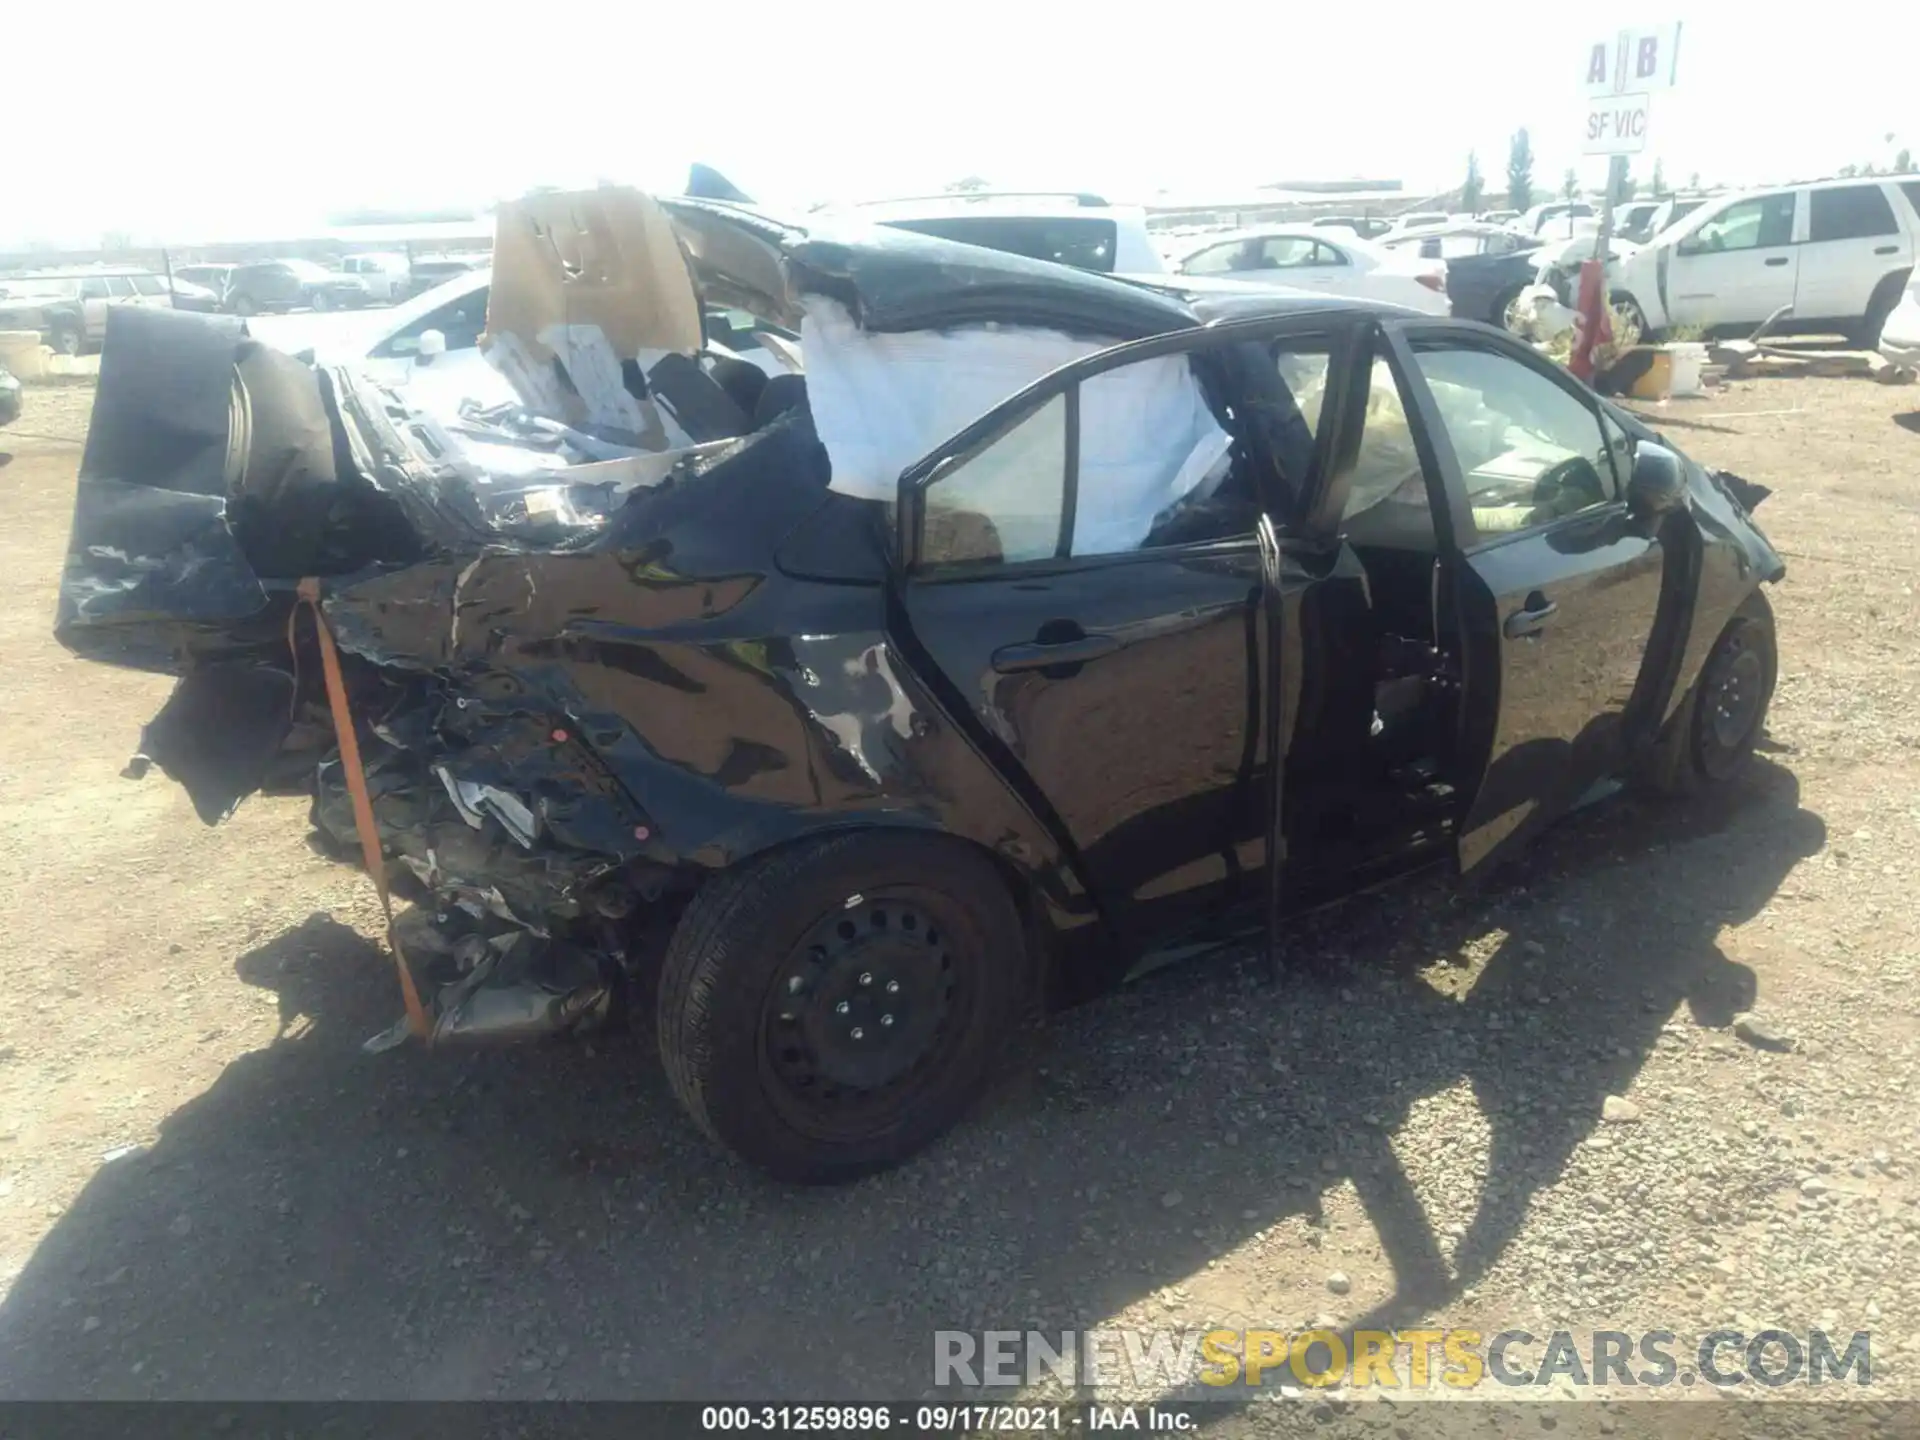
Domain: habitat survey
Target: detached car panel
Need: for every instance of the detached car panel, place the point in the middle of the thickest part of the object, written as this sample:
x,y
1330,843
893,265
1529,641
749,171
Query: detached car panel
x,y
850,735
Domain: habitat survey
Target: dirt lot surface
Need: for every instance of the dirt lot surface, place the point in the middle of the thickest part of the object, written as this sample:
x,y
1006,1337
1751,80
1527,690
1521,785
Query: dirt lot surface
x,y
207,1190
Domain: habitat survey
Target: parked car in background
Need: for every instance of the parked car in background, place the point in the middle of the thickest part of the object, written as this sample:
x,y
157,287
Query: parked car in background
x,y
1487,267
212,277
189,295
1536,220
385,276
1367,227
1634,221
1322,260
10,398
1498,217
266,286
1416,220
70,309
424,272
1674,209
1900,336
1083,231
1838,252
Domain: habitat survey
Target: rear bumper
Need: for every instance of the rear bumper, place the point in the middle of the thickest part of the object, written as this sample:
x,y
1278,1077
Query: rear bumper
x,y
1902,350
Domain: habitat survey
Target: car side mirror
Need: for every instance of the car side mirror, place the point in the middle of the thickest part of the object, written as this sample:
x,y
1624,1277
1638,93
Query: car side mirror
x,y
1658,482
432,343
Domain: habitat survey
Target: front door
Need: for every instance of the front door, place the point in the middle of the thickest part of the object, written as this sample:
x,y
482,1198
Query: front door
x,y
1737,268
1082,580
1558,586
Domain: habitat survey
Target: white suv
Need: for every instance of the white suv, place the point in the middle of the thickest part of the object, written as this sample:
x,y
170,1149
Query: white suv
x,y
1079,230
1838,251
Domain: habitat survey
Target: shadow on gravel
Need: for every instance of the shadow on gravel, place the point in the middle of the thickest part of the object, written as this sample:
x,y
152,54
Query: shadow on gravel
x,y
545,1222
1909,421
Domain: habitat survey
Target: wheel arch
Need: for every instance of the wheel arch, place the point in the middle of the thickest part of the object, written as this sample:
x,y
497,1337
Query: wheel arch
x,y
1050,928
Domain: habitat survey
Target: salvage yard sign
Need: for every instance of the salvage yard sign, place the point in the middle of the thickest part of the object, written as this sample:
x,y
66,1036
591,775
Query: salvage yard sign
x,y
1619,79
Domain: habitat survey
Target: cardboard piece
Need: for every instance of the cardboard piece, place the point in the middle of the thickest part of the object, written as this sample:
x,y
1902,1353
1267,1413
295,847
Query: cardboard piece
x,y
583,282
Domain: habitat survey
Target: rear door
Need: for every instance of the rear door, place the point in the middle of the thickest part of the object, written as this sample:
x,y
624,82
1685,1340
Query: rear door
x,y
1559,589
1737,268
1853,240
1081,578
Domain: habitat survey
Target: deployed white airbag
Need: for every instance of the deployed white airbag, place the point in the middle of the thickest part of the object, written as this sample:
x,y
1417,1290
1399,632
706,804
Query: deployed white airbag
x,y
881,402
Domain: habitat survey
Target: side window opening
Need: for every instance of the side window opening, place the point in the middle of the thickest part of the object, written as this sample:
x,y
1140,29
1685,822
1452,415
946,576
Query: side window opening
x,y
1160,453
1530,451
1760,223
1851,212
1003,503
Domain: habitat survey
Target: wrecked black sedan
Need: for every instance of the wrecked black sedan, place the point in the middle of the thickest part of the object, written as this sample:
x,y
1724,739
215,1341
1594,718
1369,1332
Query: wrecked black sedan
x,y
1032,627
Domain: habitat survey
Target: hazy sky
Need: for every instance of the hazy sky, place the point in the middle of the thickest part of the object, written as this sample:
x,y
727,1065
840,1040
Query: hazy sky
x,y
228,120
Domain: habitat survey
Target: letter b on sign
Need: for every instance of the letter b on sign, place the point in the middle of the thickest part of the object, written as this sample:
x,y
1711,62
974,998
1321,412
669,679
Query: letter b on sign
x,y
1646,60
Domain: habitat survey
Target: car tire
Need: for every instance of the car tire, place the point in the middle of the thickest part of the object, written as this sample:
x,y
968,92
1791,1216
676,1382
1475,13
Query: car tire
x,y
319,302
1503,316
243,305
1621,300
1710,740
778,967
67,339
1865,334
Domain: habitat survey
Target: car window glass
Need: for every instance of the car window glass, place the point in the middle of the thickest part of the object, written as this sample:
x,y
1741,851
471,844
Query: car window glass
x,y
1852,212
1325,254
1529,450
1911,189
1003,503
1765,220
1283,252
1216,259
462,321
148,285
1620,446
1387,503
93,289
119,286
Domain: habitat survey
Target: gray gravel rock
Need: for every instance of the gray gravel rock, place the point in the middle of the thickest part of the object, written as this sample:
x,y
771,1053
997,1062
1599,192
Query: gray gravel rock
x,y
1757,1032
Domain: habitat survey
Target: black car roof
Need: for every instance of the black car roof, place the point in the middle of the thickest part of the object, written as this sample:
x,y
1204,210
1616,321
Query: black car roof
x,y
894,280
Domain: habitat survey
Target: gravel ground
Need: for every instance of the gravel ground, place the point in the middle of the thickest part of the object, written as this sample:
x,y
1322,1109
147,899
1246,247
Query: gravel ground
x,y
207,1191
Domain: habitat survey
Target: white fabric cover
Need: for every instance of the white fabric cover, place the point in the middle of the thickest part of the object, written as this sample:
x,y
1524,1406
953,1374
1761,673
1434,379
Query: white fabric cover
x,y
881,402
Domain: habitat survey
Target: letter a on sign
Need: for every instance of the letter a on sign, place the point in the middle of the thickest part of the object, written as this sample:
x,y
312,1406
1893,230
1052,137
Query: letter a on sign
x,y
1597,66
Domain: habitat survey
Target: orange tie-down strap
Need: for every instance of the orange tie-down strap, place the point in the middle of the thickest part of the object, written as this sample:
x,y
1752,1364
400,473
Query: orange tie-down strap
x,y
356,776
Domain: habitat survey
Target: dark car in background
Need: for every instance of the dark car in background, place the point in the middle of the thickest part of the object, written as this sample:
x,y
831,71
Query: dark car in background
x,y
211,277
270,286
1487,266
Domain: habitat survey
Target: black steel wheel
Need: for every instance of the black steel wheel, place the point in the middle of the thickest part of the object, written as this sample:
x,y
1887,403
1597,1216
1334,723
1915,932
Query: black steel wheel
x,y
1733,692
68,339
830,1009
1711,738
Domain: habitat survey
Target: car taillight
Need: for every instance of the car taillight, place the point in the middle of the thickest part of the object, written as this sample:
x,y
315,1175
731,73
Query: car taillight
x,y
1433,280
